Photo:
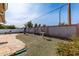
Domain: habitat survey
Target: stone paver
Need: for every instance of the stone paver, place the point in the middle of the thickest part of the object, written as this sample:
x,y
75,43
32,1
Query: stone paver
x,y
12,46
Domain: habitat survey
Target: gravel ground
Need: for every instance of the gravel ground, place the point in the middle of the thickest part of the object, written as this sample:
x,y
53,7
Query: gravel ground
x,y
39,46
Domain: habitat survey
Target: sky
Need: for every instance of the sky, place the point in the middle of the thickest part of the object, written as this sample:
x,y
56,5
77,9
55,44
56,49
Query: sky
x,y
20,13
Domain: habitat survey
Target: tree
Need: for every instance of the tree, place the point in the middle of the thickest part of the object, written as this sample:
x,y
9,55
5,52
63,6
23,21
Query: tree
x,y
7,27
44,25
29,24
39,25
10,27
62,24
35,26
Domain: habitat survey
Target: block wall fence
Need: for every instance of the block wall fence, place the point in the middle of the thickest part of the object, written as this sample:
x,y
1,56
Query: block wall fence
x,y
66,31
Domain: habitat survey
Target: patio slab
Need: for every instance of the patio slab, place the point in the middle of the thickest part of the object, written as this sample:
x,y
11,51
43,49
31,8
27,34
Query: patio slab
x,y
12,46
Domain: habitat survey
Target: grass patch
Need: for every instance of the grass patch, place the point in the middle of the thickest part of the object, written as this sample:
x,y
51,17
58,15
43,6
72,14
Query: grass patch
x,y
69,49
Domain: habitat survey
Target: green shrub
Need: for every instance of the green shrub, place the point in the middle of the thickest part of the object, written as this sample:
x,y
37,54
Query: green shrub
x,y
11,27
7,27
70,48
2,27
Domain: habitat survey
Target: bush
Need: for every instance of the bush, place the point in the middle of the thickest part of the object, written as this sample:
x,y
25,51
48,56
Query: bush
x,y
7,27
70,48
2,27
29,24
11,27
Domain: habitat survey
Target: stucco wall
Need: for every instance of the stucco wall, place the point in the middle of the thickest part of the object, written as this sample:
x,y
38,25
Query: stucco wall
x,y
10,30
62,31
65,31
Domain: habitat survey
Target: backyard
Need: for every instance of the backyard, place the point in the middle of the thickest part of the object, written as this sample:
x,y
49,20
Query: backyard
x,y
39,46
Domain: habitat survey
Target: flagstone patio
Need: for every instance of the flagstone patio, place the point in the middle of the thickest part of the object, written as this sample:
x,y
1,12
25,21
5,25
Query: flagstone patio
x,y
11,46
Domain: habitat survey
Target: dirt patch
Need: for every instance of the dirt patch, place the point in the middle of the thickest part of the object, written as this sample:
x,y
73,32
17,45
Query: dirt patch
x,y
39,46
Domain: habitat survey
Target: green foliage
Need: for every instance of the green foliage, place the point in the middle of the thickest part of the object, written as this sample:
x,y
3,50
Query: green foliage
x,y
62,24
7,27
44,25
35,26
39,25
2,27
29,24
70,48
11,27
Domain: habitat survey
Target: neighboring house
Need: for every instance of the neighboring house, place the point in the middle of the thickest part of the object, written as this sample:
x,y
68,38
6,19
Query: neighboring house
x,y
3,8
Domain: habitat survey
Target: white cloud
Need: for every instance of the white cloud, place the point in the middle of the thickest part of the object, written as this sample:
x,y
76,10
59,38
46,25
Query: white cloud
x,y
20,13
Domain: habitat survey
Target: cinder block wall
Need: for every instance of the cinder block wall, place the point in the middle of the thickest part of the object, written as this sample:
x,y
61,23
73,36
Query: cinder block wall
x,y
57,31
63,31
11,30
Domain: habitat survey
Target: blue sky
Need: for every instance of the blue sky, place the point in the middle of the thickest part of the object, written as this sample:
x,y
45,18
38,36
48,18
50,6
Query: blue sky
x,y
20,13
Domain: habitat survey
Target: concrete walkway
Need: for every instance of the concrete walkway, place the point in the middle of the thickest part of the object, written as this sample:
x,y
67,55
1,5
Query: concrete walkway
x,y
12,46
